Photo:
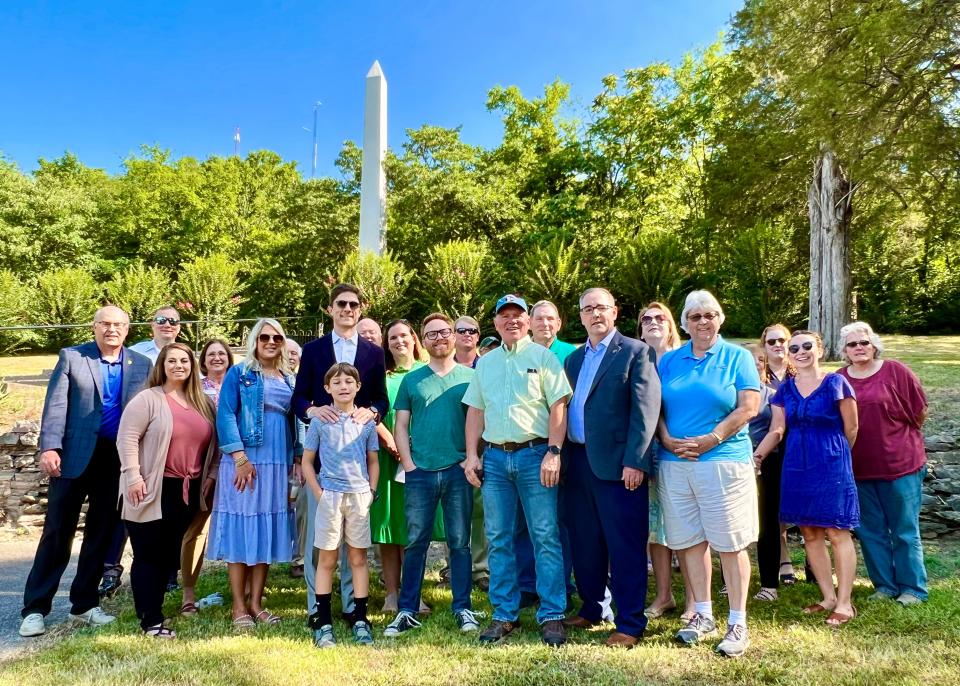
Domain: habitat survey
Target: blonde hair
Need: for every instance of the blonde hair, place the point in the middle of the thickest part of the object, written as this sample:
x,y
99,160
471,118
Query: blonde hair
x,y
673,338
790,369
191,387
251,361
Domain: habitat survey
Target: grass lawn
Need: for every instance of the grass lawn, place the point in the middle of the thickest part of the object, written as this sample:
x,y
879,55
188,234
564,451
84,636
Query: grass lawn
x,y
886,644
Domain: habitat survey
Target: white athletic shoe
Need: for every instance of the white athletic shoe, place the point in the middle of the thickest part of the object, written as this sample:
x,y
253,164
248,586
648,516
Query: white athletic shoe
x,y
95,616
32,625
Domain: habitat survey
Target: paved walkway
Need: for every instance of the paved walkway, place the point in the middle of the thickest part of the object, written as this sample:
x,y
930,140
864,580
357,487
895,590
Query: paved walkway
x,y
16,557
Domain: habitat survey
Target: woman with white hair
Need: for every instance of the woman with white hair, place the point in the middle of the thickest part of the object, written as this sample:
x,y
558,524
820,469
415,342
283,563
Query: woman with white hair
x,y
706,481
889,464
252,525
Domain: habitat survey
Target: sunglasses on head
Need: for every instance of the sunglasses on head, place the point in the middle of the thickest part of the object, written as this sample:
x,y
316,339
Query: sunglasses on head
x,y
806,345
650,318
344,304
858,344
266,338
776,341
463,330
172,321
709,316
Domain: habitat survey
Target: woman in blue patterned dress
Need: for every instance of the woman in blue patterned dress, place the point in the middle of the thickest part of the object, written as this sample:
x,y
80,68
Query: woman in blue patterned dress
x,y
252,525
818,492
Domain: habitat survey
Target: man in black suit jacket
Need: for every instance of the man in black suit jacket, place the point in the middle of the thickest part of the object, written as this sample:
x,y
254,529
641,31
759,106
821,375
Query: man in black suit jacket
x,y
88,390
611,423
310,400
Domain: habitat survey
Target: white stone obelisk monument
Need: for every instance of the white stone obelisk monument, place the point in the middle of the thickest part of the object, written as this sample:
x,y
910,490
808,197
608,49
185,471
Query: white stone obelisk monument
x,y
373,180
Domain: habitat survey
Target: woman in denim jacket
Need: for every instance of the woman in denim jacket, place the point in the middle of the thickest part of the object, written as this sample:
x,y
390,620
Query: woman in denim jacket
x,y
252,524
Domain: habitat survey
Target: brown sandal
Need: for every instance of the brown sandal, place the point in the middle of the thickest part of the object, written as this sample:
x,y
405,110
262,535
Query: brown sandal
x,y
838,619
814,609
189,610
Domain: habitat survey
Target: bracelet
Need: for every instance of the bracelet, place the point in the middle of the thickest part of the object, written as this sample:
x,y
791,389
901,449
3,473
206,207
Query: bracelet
x,y
717,436
240,461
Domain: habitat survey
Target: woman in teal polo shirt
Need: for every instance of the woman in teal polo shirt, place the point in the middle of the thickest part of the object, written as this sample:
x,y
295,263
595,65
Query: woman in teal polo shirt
x,y
706,480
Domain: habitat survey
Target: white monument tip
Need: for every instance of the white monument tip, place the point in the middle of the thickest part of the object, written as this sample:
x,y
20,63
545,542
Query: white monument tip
x,y
375,70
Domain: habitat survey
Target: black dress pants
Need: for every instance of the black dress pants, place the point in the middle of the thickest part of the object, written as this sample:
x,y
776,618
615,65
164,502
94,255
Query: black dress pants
x,y
768,544
99,484
156,548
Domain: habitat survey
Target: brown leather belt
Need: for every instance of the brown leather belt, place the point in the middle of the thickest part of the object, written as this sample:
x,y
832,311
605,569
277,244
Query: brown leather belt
x,y
514,447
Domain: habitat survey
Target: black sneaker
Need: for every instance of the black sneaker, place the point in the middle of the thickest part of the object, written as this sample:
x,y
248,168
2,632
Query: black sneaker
x,y
553,634
109,585
404,621
498,631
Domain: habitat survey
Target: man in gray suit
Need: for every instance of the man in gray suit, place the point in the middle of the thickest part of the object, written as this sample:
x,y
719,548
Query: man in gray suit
x,y
611,423
88,390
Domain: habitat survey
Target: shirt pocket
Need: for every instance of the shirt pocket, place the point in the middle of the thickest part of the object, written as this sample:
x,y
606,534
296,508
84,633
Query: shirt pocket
x,y
533,388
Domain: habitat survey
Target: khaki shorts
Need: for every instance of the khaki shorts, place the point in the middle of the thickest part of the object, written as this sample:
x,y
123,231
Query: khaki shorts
x,y
708,501
342,515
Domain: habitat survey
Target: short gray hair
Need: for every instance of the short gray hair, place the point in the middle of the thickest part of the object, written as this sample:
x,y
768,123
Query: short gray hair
x,y
543,303
866,330
700,300
250,360
596,289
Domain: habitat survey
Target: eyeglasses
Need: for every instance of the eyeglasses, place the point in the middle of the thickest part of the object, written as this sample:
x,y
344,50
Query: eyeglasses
x,y
709,316
464,331
806,345
776,341
172,321
595,309
858,344
344,304
650,318
266,338
439,333
112,325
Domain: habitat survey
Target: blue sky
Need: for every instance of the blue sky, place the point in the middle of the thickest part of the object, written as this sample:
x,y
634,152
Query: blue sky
x,y
100,78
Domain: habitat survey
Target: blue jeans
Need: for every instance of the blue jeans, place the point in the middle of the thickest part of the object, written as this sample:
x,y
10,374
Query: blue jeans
x,y
524,550
423,491
511,480
889,534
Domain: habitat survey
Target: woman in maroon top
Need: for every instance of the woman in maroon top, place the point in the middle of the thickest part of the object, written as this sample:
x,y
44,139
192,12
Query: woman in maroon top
x,y
889,463
167,447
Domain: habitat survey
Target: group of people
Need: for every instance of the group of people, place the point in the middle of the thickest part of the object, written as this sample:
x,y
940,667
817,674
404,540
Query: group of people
x,y
542,465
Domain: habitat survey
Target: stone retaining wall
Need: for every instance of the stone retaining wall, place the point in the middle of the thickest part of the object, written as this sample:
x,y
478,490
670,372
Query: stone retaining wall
x,y
23,488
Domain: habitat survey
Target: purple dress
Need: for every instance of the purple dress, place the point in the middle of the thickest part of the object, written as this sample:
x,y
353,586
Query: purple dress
x,y
817,487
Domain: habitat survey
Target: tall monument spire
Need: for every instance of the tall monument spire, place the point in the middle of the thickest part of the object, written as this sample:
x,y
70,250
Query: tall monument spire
x,y
373,180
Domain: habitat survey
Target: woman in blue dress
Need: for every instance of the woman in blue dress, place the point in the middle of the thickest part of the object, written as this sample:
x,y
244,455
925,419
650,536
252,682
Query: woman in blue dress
x,y
252,524
818,492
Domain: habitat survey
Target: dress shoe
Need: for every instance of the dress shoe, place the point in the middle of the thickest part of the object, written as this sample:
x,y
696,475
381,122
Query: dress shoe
x,y
296,571
620,640
578,622
553,634
497,631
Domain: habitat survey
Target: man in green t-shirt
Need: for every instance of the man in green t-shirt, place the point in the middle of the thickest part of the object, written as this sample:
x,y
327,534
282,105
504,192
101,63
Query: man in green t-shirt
x,y
429,432
545,324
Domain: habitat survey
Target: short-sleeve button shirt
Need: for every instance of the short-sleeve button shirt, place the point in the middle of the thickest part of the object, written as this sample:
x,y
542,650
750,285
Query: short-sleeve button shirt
x,y
515,388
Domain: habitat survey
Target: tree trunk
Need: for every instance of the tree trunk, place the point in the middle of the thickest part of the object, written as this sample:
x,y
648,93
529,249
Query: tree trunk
x,y
829,201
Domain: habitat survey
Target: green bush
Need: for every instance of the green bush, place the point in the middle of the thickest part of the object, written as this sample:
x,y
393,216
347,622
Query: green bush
x,y
553,272
460,278
382,280
208,291
65,296
14,311
140,290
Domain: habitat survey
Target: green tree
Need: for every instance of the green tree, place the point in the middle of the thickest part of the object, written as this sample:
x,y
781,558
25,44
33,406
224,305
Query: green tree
x,y
65,296
460,278
209,291
382,280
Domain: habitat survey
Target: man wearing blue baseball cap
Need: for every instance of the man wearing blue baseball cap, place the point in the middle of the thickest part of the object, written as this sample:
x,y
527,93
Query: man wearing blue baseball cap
x,y
517,404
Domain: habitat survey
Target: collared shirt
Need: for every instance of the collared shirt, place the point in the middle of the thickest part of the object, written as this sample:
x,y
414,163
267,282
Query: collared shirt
x,y
345,349
591,363
699,392
343,449
515,389
561,349
147,348
112,375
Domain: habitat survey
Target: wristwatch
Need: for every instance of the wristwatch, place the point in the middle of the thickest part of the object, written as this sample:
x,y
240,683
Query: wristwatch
x,y
553,449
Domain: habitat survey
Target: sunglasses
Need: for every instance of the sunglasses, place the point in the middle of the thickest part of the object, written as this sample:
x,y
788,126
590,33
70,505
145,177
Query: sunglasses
x,y
776,341
858,344
440,333
464,330
650,318
344,304
266,338
807,345
709,316
172,321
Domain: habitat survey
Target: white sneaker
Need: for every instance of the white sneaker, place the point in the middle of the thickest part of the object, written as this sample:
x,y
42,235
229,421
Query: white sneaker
x,y
32,625
606,611
94,617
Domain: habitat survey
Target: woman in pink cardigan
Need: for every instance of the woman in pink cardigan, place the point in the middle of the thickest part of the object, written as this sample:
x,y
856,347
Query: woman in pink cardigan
x,y
167,447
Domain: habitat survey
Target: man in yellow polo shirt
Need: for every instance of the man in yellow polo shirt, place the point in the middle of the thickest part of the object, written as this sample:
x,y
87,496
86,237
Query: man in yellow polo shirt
x,y
517,404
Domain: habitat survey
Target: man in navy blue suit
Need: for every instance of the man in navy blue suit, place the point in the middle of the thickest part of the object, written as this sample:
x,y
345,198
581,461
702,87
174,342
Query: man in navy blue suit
x,y
612,419
310,400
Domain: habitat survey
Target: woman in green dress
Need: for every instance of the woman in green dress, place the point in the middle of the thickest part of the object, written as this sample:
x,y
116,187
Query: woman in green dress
x,y
387,519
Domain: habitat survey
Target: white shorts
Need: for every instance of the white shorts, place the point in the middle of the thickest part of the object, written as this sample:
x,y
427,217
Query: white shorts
x,y
708,501
342,515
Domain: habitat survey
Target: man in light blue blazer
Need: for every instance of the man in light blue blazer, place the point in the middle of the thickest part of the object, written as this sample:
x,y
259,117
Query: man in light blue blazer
x,y
611,423
88,390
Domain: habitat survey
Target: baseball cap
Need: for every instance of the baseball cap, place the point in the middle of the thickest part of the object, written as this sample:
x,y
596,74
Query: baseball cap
x,y
489,341
510,299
